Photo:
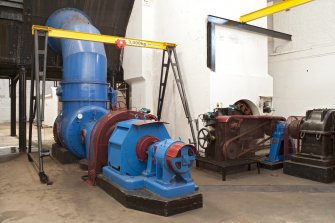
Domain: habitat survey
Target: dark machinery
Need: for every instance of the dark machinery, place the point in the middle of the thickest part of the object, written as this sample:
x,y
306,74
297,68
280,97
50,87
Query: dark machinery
x,y
228,137
316,158
206,135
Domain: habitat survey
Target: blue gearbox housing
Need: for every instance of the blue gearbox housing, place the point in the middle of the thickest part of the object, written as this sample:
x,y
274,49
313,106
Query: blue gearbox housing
x,y
141,154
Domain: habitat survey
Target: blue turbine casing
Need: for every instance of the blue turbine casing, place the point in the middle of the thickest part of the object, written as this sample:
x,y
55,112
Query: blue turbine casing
x,y
155,174
84,88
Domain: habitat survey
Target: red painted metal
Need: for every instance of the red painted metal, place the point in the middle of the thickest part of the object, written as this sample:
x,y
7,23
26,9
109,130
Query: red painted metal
x,y
147,122
100,135
243,108
230,141
55,133
256,117
174,152
143,145
241,135
120,43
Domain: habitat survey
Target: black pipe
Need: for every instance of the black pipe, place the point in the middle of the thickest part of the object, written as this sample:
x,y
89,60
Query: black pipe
x,y
13,106
22,110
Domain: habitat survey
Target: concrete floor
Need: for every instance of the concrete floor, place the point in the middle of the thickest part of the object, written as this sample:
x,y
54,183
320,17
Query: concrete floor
x,y
245,197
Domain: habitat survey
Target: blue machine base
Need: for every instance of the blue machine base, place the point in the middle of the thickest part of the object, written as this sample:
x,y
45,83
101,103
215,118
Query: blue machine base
x,y
149,183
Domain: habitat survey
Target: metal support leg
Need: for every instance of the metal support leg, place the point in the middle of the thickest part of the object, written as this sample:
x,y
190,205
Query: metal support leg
x,y
128,96
32,110
163,81
37,104
172,61
13,106
182,93
22,110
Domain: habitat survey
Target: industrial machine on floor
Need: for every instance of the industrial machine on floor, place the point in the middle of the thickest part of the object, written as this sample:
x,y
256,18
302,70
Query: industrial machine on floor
x,y
154,164
316,158
142,157
232,140
206,135
285,143
130,154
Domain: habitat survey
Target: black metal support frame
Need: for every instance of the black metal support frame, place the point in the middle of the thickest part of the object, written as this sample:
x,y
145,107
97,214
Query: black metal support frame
x,y
12,91
22,110
172,61
37,101
212,21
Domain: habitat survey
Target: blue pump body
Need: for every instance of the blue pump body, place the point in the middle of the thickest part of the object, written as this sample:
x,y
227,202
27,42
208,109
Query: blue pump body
x,y
84,91
154,174
277,143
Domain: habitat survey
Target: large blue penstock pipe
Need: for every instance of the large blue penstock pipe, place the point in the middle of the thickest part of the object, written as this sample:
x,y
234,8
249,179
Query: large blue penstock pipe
x,y
84,88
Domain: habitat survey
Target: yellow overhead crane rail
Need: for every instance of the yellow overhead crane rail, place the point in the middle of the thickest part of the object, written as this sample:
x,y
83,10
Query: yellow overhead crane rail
x,y
284,5
169,53
120,41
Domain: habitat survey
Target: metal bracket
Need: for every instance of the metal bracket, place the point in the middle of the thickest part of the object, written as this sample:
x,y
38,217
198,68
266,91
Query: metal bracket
x,y
212,21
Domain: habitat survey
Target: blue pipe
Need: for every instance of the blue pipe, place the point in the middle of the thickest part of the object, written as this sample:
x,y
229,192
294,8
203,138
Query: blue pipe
x,y
84,89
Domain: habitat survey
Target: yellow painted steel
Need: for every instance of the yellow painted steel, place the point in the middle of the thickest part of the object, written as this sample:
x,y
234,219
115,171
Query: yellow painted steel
x,y
286,4
68,34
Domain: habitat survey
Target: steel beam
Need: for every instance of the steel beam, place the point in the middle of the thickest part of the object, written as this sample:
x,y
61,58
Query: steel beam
x,y
69,34
212,21
284,5
211,45
250,28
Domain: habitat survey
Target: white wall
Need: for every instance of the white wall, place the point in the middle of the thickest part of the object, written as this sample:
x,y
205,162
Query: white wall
x,y
5,99
303,69
241,57
242,71
51,109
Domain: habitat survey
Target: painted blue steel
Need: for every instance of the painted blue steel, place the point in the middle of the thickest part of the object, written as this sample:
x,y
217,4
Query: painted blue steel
x,y
169,183
122,145
84,87
87,130
154,174
276,143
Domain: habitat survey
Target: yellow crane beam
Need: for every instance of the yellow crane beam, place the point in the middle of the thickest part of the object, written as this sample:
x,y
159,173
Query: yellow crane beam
x,y
286,4
69,34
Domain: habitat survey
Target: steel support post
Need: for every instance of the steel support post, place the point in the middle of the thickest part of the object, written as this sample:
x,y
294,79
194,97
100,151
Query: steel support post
x,y
13,106
22,109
